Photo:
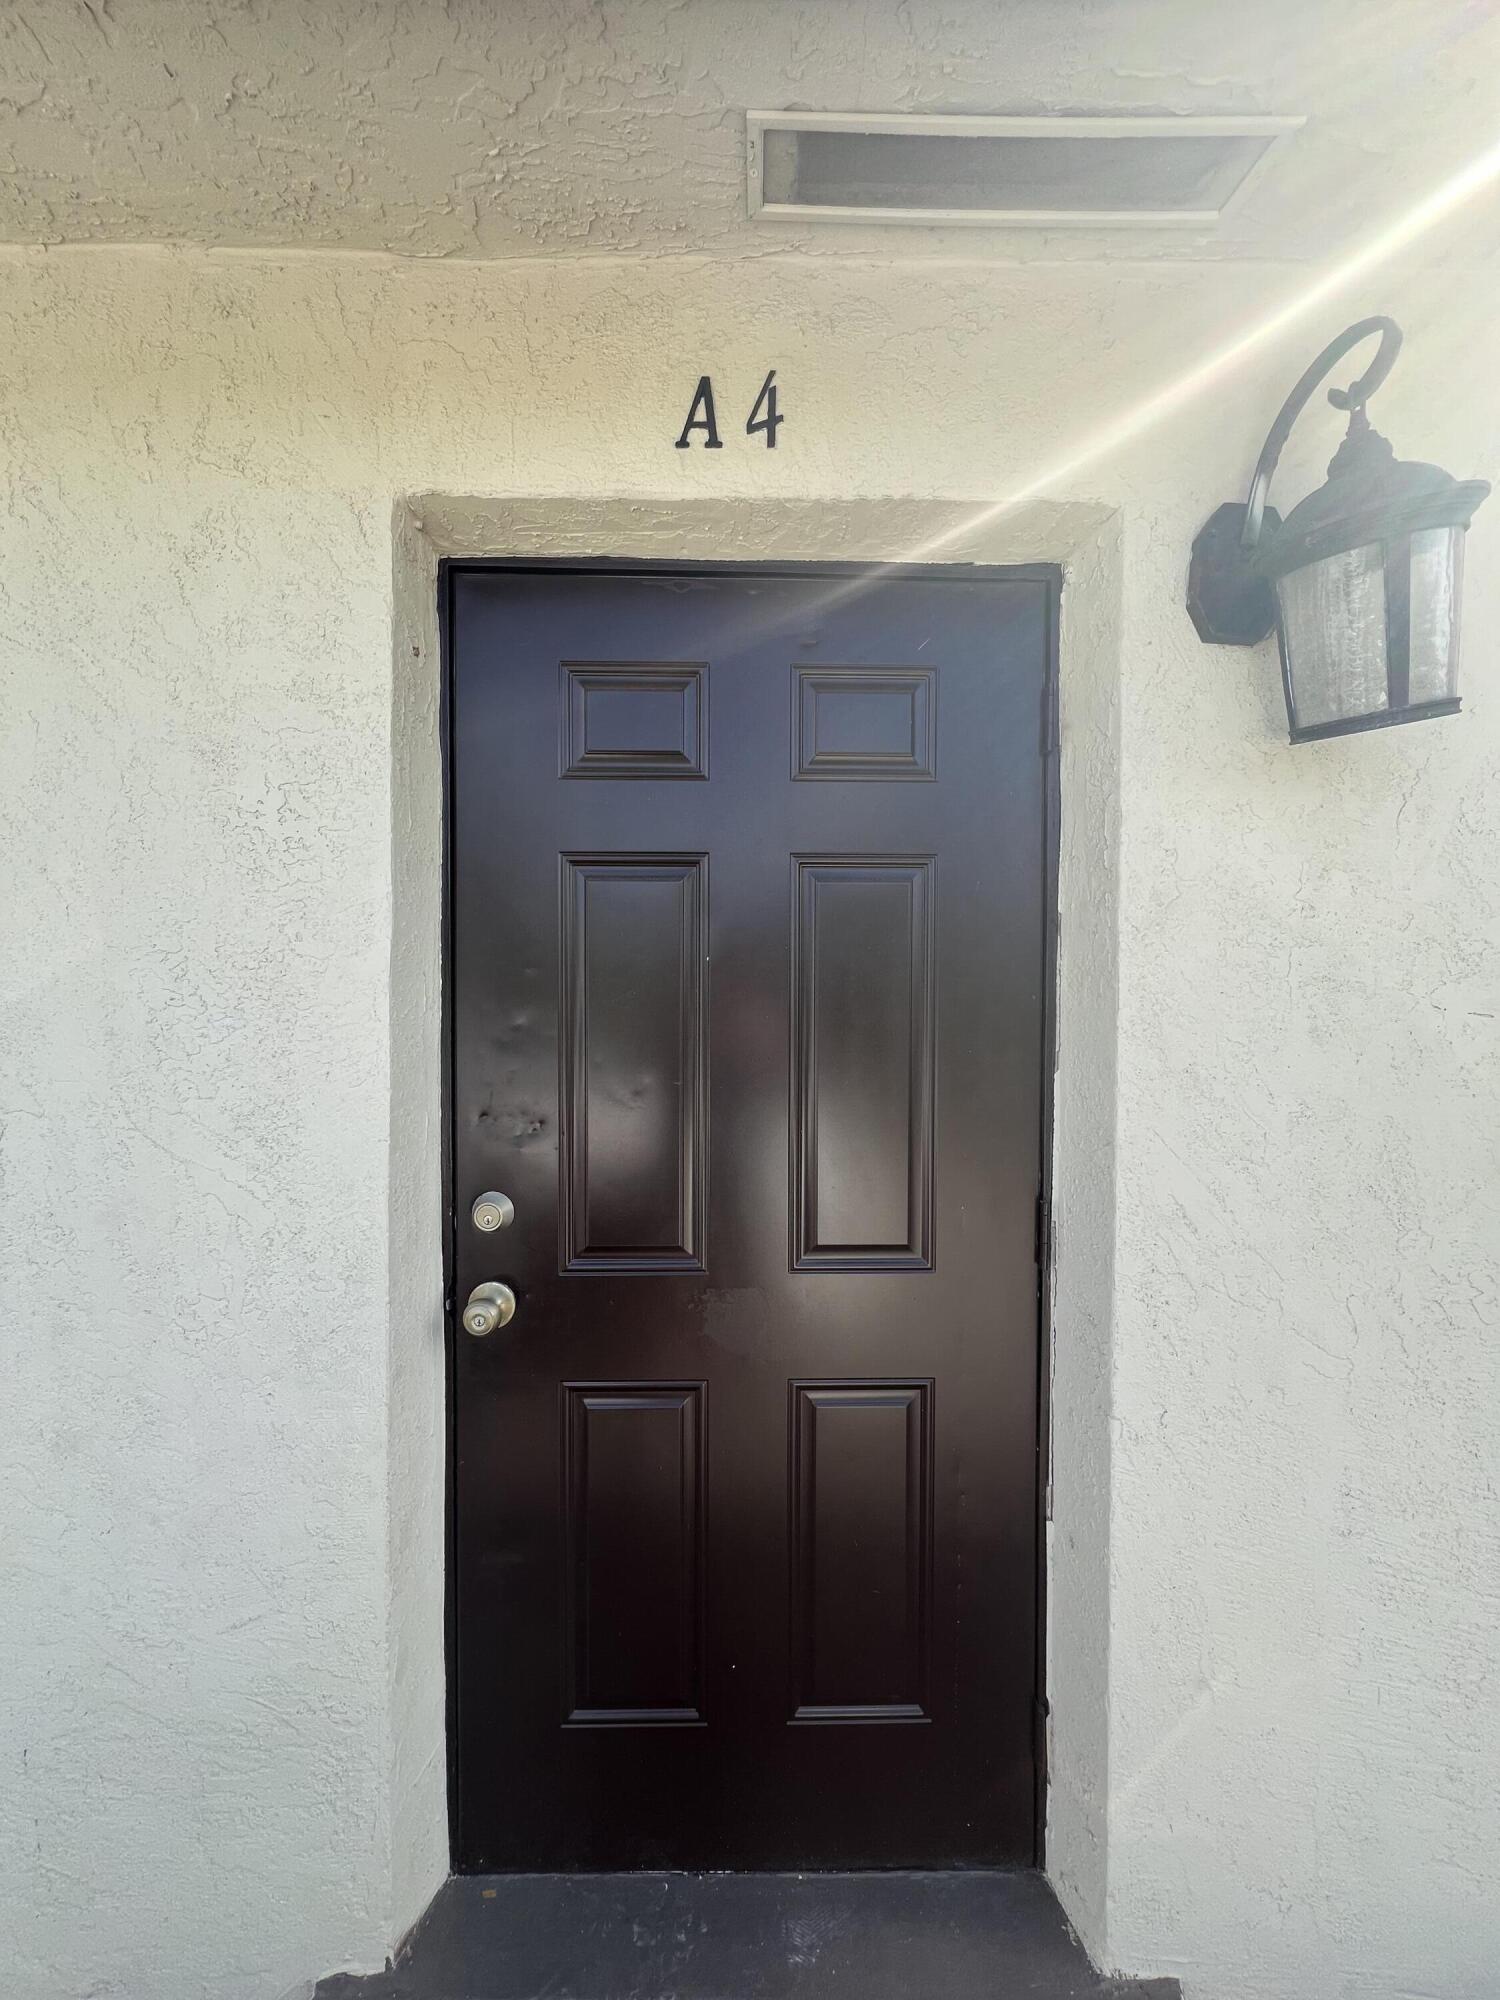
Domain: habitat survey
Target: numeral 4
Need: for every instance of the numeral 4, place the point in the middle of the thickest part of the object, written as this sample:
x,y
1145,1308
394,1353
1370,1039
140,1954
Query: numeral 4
x,y
765,402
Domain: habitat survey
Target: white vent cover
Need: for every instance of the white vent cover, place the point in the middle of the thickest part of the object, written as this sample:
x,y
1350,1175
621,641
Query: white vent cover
x,y
1028,173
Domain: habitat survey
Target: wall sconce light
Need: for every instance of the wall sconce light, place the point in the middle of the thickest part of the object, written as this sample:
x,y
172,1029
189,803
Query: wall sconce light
x,y
1361,582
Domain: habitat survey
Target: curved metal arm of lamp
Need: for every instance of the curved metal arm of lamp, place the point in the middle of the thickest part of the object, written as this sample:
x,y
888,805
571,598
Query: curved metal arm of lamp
x,y
1353,398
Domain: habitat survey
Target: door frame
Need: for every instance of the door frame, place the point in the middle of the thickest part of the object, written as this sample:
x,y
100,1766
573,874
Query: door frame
x,y
1052,576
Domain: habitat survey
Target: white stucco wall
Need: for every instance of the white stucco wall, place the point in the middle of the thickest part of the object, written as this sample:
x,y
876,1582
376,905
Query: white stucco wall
x,y
1279,1384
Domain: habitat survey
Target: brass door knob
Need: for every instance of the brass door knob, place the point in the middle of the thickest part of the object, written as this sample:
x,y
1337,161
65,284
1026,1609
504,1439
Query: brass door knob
x,y
490,1306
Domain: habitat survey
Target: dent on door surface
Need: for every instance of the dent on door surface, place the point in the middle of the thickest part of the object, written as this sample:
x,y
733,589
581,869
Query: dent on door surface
x,y
746,975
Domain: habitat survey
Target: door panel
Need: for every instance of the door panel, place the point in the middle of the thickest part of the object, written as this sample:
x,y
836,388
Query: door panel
x,y
854,722
746,983
634,1476
633,1107
633,720
862,1031
861,1504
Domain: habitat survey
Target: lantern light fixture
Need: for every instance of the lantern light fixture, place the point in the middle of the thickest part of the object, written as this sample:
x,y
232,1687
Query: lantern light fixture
x,y
1361,582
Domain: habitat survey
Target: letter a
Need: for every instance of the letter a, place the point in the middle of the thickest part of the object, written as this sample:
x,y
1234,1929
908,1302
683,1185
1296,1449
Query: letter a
x,y
703,400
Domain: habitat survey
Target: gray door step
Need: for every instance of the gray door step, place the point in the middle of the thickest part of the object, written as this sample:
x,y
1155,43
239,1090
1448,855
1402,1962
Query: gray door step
x,y
971,1935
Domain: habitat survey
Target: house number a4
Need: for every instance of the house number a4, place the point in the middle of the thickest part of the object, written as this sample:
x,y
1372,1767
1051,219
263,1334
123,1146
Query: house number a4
x,y
764,417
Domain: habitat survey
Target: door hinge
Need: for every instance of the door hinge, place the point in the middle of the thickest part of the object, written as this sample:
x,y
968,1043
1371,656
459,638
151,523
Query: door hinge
x,y
1051,725
1042,1241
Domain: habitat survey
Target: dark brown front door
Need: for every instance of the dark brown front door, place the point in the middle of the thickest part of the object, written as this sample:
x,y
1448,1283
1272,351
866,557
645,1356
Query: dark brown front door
x,y
747,978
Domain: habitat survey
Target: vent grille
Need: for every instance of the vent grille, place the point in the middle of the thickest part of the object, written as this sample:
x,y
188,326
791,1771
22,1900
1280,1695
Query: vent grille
x,y
1038,173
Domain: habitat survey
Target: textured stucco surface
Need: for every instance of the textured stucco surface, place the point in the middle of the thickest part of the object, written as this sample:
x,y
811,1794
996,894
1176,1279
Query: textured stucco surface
x,y
1276,1726
556,126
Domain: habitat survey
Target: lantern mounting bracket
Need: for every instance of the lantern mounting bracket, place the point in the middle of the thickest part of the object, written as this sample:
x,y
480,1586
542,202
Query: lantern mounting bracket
x,y
1230,600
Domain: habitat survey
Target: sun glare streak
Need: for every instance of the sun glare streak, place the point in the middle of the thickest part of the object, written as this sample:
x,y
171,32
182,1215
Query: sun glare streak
x,y
1481,172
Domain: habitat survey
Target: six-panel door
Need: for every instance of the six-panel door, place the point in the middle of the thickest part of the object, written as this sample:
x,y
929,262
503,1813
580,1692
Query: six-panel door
x,y
747,966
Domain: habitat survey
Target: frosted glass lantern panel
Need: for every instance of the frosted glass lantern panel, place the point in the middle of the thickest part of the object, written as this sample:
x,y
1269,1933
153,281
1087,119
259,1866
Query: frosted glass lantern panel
x,y
1437,556
1333,624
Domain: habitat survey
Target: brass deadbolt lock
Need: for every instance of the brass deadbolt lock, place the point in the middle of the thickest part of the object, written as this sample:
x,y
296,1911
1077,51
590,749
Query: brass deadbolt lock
x,y
493,1211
